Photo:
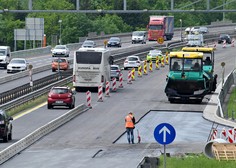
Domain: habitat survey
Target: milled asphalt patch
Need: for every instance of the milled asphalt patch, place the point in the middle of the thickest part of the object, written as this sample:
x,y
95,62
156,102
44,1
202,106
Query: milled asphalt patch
x,y
190,127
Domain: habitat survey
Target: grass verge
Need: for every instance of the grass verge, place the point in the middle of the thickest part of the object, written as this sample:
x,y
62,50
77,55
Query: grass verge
x,y
27,106
231,106
194,161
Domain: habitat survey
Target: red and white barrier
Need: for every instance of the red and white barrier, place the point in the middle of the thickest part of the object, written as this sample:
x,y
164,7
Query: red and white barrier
x,y
215,45
232,43
129,78
100,94
230,136
107,91
121,80
114,84
224,43
88,98
234,132
214,134
223,134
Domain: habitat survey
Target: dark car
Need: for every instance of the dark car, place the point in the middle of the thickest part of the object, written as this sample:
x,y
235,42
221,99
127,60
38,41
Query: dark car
x,y
203,30
114,42
61,96
5,126
225,37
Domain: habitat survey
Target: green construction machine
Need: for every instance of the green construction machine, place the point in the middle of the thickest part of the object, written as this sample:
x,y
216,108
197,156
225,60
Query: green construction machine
x,y
191,74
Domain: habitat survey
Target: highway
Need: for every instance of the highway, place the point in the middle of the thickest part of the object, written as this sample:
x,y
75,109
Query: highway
x,y
87,140
75,143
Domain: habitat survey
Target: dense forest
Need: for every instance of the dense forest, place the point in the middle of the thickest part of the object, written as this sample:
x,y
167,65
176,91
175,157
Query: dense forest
x,y
75,25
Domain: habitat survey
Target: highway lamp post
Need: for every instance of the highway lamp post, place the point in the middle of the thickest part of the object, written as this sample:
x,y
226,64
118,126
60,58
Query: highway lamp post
x,y
180,29
223,73
60,40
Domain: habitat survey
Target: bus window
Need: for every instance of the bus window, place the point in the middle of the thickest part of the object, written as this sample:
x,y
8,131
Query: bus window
x,y
88,57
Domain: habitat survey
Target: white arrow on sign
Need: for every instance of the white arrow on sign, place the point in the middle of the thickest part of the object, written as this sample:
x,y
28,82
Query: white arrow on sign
x,y
164,130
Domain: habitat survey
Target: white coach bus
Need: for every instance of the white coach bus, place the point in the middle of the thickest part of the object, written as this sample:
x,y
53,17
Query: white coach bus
x,y
91,68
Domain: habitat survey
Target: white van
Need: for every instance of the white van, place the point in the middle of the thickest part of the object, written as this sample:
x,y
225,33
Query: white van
x,y
5,56
139,37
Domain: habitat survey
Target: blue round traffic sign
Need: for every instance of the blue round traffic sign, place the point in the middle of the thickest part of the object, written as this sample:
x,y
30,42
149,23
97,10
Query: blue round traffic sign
x,y
164,133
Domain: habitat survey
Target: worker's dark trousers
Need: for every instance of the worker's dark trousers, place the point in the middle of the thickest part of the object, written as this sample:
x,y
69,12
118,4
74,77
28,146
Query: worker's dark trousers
x,y
130,135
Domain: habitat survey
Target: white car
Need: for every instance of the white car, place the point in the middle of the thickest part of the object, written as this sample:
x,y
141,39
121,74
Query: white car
x,y
60,50
133,61
17,65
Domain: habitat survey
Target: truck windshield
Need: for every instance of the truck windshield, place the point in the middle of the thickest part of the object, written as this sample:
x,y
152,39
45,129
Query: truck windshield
x,y
88,57
155,27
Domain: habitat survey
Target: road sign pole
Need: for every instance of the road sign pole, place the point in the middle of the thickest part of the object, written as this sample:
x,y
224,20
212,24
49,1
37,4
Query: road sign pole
x,y
164,134
164,156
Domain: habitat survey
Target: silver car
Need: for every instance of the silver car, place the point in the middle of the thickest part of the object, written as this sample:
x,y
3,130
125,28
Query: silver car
x,y
61,50
115,71
17,65
88,44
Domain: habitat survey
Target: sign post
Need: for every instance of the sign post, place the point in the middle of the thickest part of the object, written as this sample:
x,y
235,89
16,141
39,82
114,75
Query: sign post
x,y
164,134
30,74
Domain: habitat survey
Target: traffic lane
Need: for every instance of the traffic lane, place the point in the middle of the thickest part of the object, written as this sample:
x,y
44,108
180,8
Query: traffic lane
x,y
30,121
24,80
99,127
226,55
47,59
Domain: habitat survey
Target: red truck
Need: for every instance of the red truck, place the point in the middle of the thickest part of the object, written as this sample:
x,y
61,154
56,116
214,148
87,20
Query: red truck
x,y
160,26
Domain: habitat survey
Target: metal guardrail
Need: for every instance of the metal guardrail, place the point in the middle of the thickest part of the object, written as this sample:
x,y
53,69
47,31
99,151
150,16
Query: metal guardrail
x,y
35,94
26,88
230,80
25,142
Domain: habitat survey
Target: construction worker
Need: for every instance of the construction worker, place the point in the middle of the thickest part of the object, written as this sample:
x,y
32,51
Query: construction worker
x,y
130,125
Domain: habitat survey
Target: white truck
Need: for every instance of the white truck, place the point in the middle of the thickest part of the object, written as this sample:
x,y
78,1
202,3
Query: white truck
x,y
195,40
5,56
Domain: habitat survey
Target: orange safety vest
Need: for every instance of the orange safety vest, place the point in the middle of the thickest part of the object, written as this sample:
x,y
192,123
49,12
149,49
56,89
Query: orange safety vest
x,y
129,122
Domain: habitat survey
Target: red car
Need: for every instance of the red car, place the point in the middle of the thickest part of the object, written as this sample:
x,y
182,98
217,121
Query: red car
x,y
61,96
